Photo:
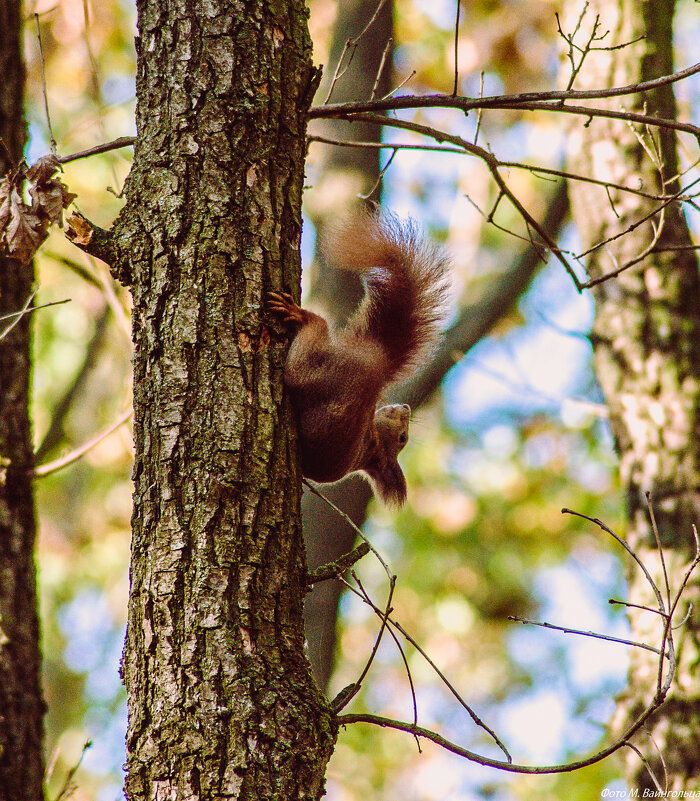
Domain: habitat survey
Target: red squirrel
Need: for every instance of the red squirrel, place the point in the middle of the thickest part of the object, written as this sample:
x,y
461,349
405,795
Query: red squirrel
x,y
335,378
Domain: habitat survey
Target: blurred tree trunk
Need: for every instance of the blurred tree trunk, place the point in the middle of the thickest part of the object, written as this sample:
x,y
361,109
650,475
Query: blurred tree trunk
x,y
646,339
222,703
345,173
21,704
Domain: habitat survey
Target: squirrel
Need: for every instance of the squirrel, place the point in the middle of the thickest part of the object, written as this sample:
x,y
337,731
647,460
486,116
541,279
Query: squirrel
x,y
336,378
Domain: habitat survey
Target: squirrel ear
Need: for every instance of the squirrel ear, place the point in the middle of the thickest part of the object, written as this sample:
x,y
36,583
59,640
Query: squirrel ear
x,y
390,484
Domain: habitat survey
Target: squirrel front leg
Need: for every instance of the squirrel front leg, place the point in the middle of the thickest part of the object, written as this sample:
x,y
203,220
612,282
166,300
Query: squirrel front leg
x,y
309,346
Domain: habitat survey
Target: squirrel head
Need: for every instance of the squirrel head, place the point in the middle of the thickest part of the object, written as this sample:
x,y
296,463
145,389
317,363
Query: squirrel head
x,y
391,427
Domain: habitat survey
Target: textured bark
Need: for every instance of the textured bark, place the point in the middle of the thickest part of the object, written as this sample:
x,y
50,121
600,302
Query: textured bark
x,y
221,698
646,338
21,704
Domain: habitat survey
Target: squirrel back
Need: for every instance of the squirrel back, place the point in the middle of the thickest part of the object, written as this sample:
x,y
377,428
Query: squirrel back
x,y
336,379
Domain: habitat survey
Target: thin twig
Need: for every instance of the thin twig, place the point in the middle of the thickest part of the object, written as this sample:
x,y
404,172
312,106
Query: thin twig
x,y
456,82
379,178
629,550
73,456
396,640
26,310
479,111
532,168
105,147
351,45
383,145
403,83
655,529
593,634
387,48
646,764
66,791
384,618
638,606
20,314
52,141
352,525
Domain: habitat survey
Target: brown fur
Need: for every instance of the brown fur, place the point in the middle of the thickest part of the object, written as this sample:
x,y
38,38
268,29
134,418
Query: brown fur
x,y
335,380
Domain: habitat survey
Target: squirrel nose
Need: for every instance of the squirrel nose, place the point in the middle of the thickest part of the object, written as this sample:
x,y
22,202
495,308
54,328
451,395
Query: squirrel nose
x,y
406,406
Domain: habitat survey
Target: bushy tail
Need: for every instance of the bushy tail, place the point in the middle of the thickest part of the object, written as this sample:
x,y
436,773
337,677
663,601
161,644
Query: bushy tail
x,y
406,286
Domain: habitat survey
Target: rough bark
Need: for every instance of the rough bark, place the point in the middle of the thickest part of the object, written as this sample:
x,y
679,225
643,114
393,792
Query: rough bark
x,y
646,339
21,704
221,698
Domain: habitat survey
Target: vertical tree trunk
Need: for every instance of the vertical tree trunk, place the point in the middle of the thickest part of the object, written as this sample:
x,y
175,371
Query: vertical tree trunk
x,y
21,704
646,338
221,698
345,174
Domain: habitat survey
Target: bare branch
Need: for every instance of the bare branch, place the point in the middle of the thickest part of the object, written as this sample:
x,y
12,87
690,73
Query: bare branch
x,y
338,704
367,600
26,310
379,178
493,167
525,100
456,81
122,141
73,456
351,45
595,635
347,519
334,569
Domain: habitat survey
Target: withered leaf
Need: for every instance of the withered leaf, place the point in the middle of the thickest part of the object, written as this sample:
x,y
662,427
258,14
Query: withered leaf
x,y
43,169
5,189
50,199
24,228
25,231
78,229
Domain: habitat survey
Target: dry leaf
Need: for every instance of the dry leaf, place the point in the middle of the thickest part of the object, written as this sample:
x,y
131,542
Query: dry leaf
x,y
43,169
5,189
50,199
78,229
24,228
25,231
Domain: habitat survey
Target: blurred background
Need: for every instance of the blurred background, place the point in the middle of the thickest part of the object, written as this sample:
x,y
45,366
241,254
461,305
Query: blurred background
x,y
516,431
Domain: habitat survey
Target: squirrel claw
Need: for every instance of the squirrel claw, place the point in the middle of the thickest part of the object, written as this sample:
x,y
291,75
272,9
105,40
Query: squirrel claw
x,y
282,303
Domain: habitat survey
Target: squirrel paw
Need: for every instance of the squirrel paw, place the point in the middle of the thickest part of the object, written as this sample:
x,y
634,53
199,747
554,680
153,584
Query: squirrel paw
x,y
281,303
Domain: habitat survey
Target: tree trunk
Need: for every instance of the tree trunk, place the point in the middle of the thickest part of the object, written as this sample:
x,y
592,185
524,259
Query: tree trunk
x,y
646,339
21,704
221,698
